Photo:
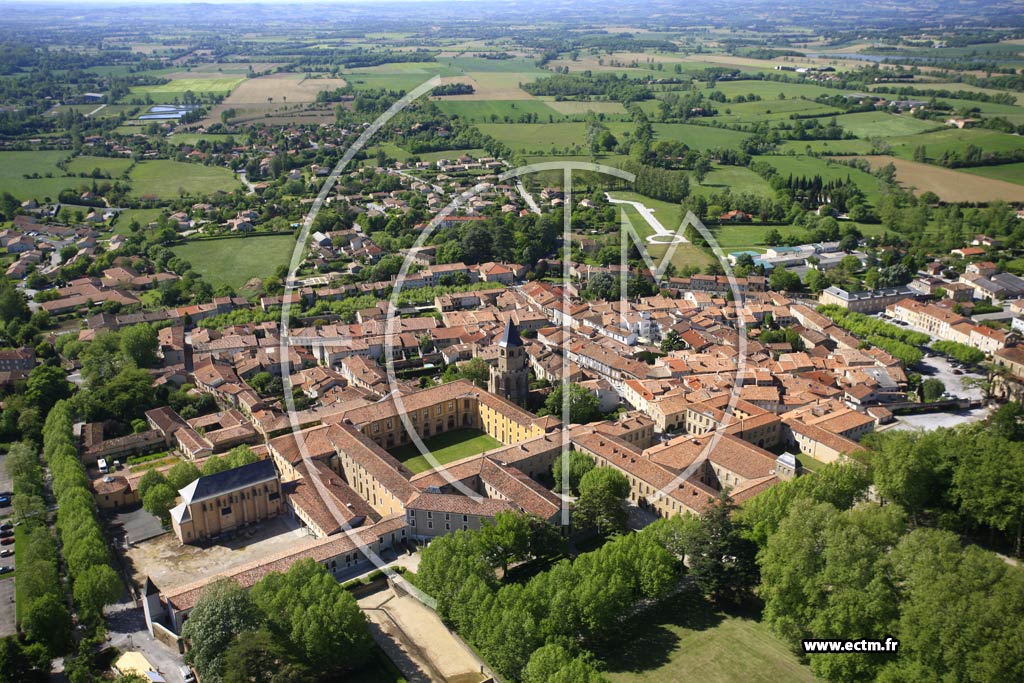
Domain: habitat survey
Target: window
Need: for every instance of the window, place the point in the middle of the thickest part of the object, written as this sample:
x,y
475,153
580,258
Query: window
x,y
465,518
389,424
430,515
438,410
226,510
447,516
447,526
451,405
376,427
430,525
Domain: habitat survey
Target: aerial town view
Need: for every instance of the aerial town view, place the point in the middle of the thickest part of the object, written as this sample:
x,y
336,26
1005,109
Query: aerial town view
x,y
469,341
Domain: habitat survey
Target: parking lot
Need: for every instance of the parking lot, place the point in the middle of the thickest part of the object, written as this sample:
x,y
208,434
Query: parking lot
x,y
7,617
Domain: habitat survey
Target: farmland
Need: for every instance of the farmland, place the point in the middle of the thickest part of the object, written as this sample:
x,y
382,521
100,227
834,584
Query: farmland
x,y
235,261
950,185
14,166
166,179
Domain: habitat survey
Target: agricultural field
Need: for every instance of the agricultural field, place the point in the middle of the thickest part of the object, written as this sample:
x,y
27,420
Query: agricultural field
x,y
737,179
699,137
570,108
539,138
234,261
883,124
949,184
115,167
166,179
1011,173
168,92
280,94
493,111
14,166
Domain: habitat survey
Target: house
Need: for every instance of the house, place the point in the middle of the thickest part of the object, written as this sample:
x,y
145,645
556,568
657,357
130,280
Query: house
x,y
735,216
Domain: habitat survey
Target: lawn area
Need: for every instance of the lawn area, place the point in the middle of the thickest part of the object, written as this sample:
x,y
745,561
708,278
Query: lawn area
x,y
686,639
540,138
15,165
446,447
165,179
114,166
234,261
19,553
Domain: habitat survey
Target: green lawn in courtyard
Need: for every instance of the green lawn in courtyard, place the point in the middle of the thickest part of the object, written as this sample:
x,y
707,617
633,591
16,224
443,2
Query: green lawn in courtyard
x,y
688,639
446,447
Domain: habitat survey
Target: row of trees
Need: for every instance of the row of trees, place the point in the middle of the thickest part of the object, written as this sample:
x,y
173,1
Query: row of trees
x,y
299,626
94,582
45,619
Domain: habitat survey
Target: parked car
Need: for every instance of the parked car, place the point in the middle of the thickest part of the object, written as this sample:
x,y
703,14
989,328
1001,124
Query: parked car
x,y
5,526
6,569
5,501
7,541
957,371
6,552
6,534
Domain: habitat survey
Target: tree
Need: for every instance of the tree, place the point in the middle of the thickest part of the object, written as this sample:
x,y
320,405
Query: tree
x,y
95,588
139,344
782,280
46,621
22,664
583,405
46,385
720,558
260,656
671,342
932,389
159,500
554,664
181,475
506,539
148,480
579,465
989,484
223,611
475,370
320,618
602,492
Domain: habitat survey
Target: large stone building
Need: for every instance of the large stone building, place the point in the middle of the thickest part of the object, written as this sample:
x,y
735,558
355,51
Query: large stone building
x,y
222,502
510,378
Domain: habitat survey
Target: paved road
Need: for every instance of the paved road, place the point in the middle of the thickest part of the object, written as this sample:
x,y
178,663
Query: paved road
x,y
527,197
660,231
7,620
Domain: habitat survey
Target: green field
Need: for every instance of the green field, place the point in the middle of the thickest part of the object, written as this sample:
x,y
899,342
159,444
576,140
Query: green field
x,y
493,111
883,124
195,138
685,639
539,138
671,216
179,86
770,110
1011,173
699,137
15,165
738,179
164,179
143,216
114,166
234,261
810,166
446,447
954,139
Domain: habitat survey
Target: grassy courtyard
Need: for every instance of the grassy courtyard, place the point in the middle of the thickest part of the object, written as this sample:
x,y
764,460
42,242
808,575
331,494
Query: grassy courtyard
x,y
446,447
686,637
